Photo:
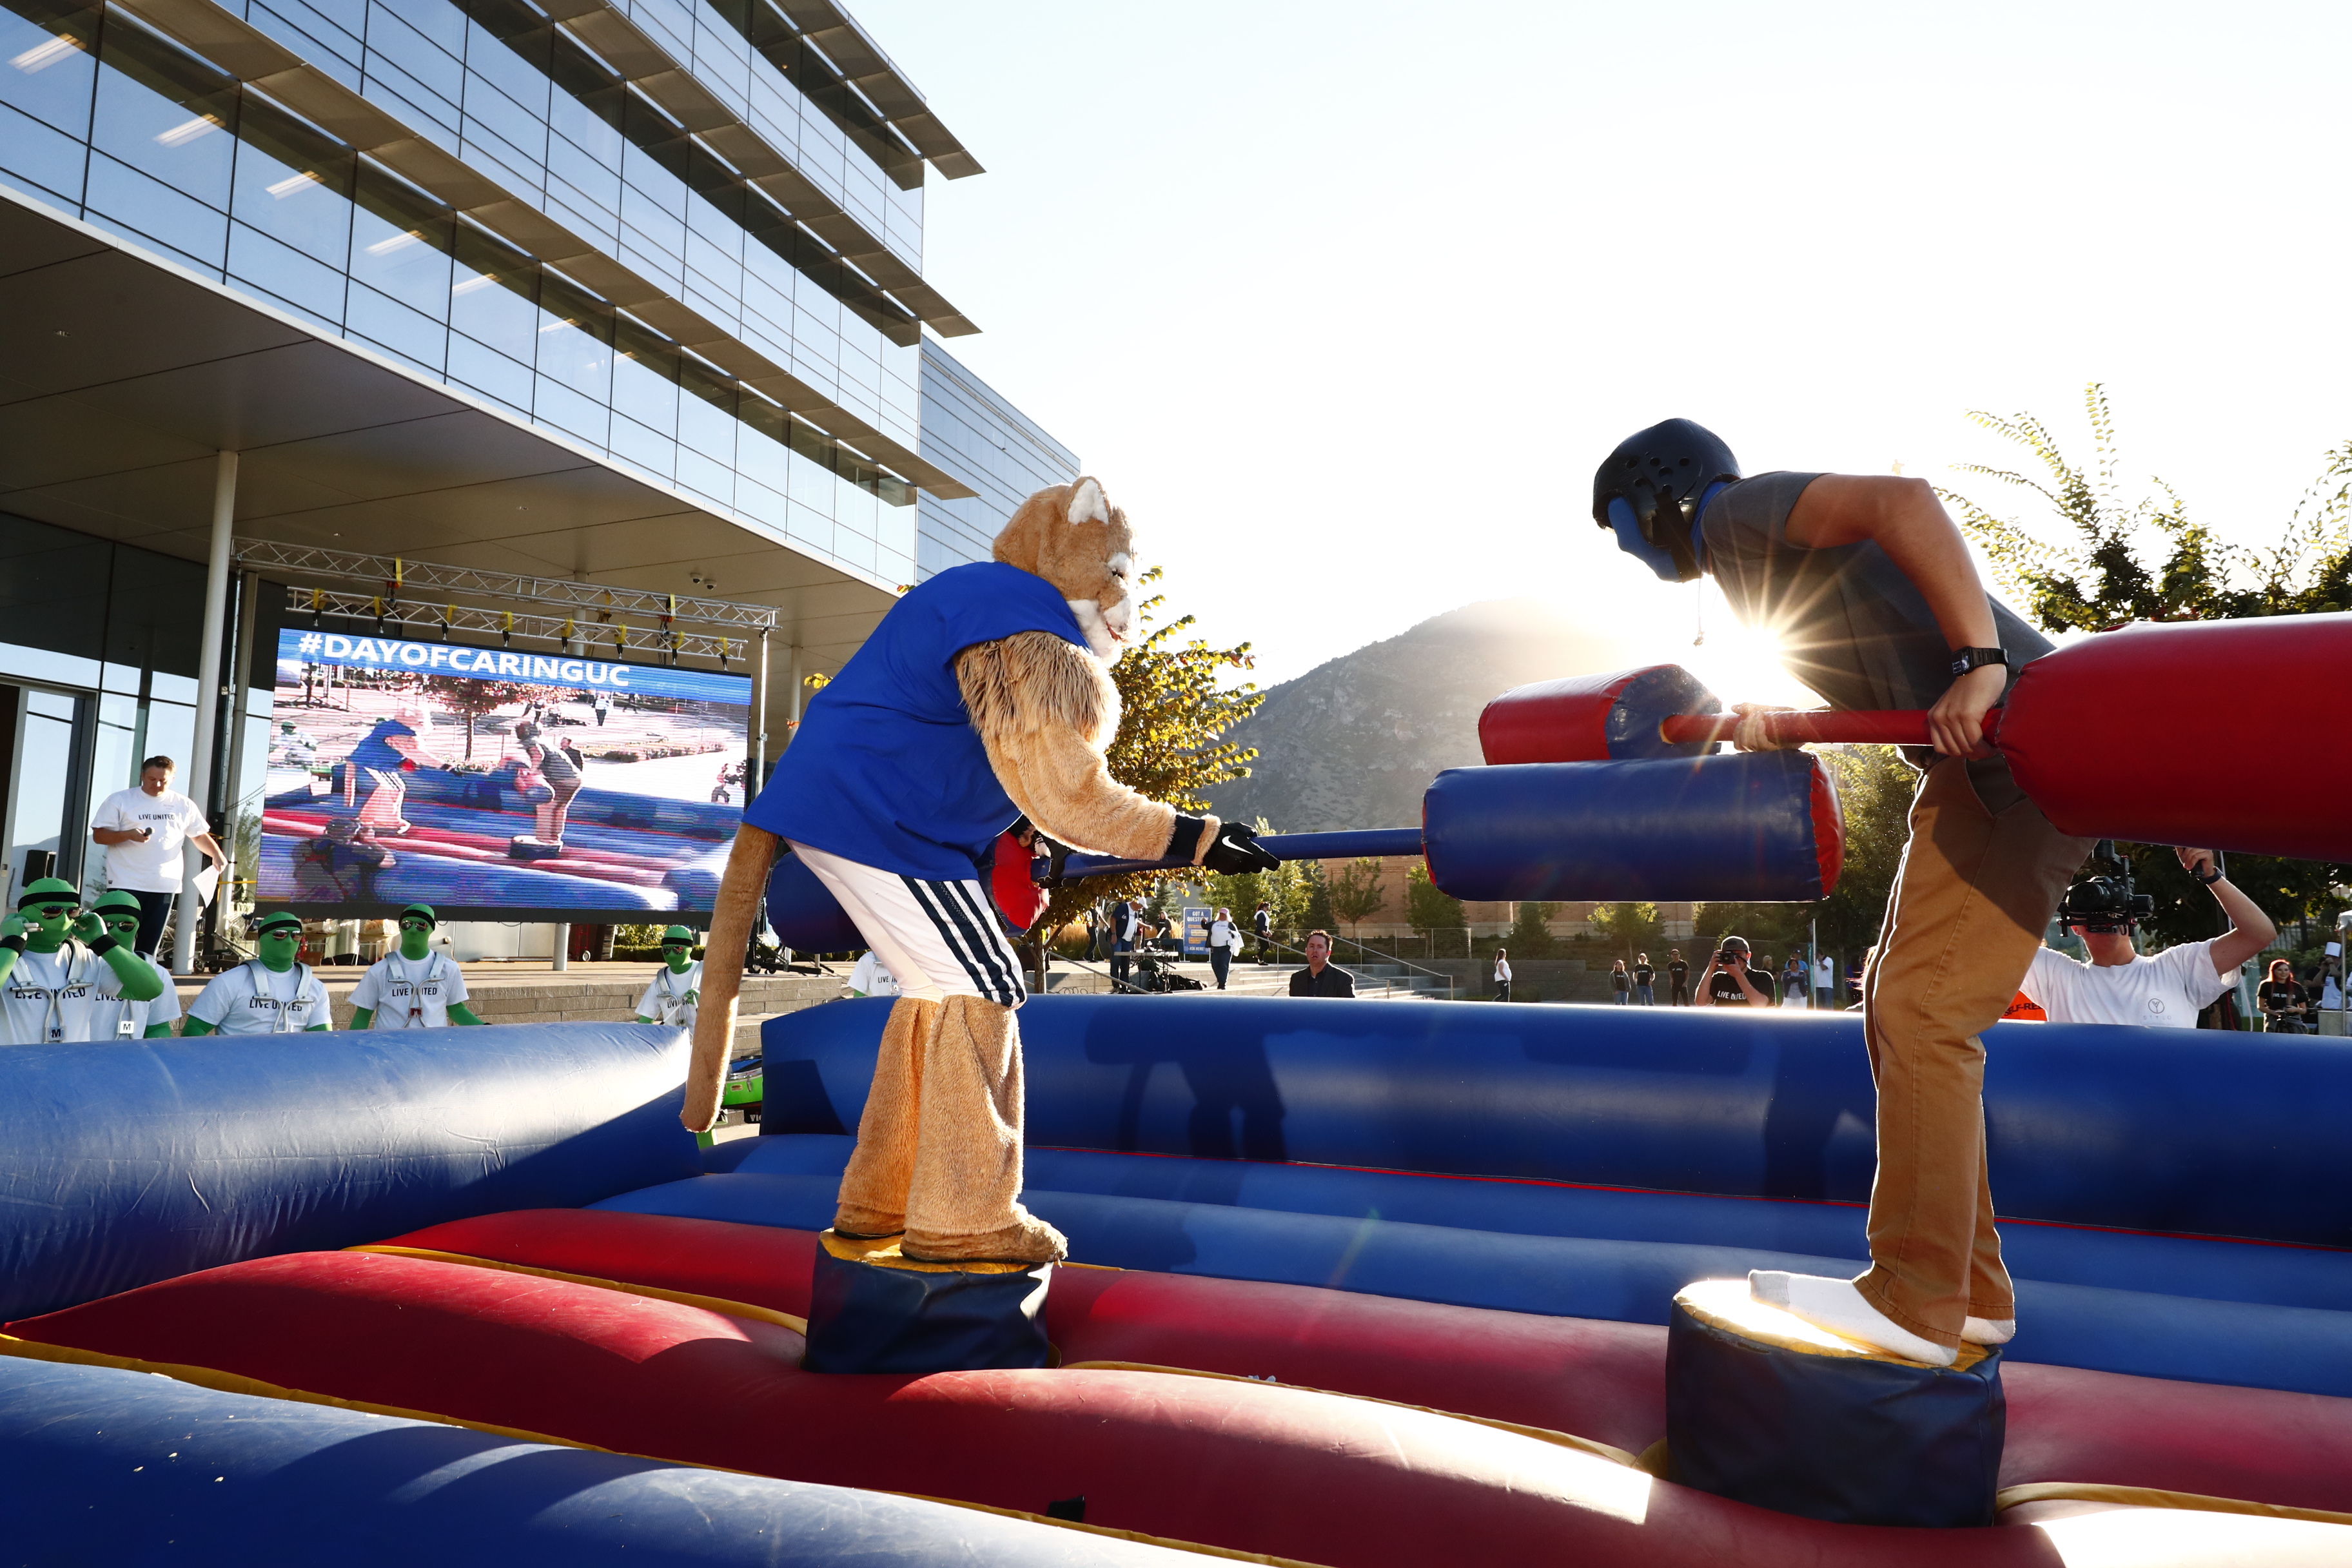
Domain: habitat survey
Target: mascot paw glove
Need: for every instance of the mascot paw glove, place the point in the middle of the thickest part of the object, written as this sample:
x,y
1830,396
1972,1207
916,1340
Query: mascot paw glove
x,y
1236,852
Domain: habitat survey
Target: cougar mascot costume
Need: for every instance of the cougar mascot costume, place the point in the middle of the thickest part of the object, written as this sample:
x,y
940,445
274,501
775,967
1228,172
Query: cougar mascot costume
x,y
983,696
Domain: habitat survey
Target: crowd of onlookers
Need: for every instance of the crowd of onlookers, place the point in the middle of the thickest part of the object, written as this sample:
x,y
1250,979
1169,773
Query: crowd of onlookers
x,y
1734,976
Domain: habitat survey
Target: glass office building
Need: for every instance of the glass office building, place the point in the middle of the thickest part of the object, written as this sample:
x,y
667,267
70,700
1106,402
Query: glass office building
x,y
624,291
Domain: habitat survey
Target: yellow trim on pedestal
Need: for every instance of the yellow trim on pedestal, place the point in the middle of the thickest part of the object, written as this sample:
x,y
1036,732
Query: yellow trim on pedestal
x,y
885,1252
1725,1304
683,1298
2149,1497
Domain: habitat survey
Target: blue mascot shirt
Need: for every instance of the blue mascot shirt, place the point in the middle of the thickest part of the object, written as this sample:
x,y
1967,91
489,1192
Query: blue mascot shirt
x,y
886,769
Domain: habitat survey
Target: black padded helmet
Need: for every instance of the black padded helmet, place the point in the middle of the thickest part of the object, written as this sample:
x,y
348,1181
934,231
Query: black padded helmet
x,y
1662,473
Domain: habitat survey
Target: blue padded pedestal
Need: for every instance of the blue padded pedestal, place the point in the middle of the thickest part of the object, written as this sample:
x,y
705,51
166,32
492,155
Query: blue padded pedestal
x,y
1763,1409
872,1310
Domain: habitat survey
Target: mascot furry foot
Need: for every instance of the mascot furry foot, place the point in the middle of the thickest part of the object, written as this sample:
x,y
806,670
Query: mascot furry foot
x,y
962,1203
874,1186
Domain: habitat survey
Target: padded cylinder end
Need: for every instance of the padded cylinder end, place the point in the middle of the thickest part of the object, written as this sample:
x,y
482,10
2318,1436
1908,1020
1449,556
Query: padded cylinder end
x,y
1764,1408
1759,828
872,1310
1594,718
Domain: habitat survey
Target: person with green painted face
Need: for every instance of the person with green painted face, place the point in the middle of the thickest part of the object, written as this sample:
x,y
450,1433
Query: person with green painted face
x,y
272,994
55,962
414,988
123,1017
677,989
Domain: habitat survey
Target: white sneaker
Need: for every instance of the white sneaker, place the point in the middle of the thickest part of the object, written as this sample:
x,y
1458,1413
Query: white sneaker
x,y
1836,1305
1989,1331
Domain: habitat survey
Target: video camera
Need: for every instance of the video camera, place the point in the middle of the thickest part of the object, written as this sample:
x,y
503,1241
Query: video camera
x,y
2106,902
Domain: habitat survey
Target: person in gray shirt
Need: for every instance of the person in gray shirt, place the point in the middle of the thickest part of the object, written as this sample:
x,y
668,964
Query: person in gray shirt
x,y
1869,587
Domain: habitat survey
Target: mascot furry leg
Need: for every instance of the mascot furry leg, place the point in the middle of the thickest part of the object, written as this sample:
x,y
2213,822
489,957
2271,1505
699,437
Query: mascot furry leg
x,y
984,695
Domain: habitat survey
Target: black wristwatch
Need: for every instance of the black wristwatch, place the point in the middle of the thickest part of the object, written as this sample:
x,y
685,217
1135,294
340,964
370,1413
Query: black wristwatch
x,y
1965,659
2207,881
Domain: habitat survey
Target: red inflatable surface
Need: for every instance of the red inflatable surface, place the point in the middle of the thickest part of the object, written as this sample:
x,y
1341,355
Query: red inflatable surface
x,y
1251,1467
1598,1379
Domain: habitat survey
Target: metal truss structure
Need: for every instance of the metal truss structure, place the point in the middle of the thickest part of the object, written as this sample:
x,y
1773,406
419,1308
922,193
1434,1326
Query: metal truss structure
x,y
399,597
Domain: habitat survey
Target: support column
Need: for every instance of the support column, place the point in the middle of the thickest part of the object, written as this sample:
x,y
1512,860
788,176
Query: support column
x,y
756,748
240,686
209,696
563,946
798,691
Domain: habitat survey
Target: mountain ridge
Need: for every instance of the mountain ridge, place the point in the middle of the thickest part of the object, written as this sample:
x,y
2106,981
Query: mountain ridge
x,y
1354,741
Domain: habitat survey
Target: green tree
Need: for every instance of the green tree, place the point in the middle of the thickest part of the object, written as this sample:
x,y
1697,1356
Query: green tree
x,y
1428,907
1356,892
1874,786
2116,559
1315,913
1530,936
1170,747
1628,928
470,698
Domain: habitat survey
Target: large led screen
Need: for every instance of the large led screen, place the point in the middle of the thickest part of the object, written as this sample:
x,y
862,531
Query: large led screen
x,y
497,785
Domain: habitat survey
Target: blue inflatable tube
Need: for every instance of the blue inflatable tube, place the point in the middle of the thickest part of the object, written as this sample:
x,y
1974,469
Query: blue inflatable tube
x,y
2180,1131
101,1465
1761,825
124,1164
2302,1350
2261,1273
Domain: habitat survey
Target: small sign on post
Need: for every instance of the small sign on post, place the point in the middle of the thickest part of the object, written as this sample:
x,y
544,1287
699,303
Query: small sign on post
x,y
1196,931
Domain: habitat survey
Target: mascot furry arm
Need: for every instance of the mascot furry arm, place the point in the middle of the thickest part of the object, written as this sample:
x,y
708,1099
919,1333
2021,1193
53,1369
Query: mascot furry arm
x,y
1044,711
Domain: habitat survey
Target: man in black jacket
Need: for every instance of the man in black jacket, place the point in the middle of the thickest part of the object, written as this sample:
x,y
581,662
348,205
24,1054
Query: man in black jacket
x,y
1321,977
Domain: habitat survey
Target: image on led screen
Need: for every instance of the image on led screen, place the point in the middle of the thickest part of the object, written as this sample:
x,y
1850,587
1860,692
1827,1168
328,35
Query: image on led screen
x,y
496,782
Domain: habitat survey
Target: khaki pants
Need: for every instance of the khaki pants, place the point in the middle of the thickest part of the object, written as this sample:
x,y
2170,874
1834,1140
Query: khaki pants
x,y
1980,878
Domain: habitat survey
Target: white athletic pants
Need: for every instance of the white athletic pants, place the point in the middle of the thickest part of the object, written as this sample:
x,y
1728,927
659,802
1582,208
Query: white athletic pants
x,y
938,939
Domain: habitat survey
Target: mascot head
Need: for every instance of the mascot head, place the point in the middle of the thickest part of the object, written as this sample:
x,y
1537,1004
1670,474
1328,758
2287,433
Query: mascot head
x,y
1075,539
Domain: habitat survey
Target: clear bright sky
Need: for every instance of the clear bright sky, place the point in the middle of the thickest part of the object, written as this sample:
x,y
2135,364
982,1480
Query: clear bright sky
x,y
1345,301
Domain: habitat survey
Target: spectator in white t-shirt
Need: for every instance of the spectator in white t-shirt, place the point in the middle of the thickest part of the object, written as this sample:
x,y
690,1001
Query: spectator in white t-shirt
x,y
142,830
65,976
2165,992
675,995
413,987
273,995
121,1016
872,978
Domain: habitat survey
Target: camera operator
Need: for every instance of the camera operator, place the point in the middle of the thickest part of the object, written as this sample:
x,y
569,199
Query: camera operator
x,y
1730,983
2118,985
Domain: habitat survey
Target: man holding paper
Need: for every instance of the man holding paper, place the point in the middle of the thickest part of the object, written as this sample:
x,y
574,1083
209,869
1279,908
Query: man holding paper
x,y
143,830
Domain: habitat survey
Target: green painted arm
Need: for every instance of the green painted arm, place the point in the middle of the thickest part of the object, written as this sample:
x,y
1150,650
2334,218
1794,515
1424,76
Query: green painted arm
x,y
641,1018
159,1031
194,1027
363,1017
462,1013
317,1028
8,956
139,981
